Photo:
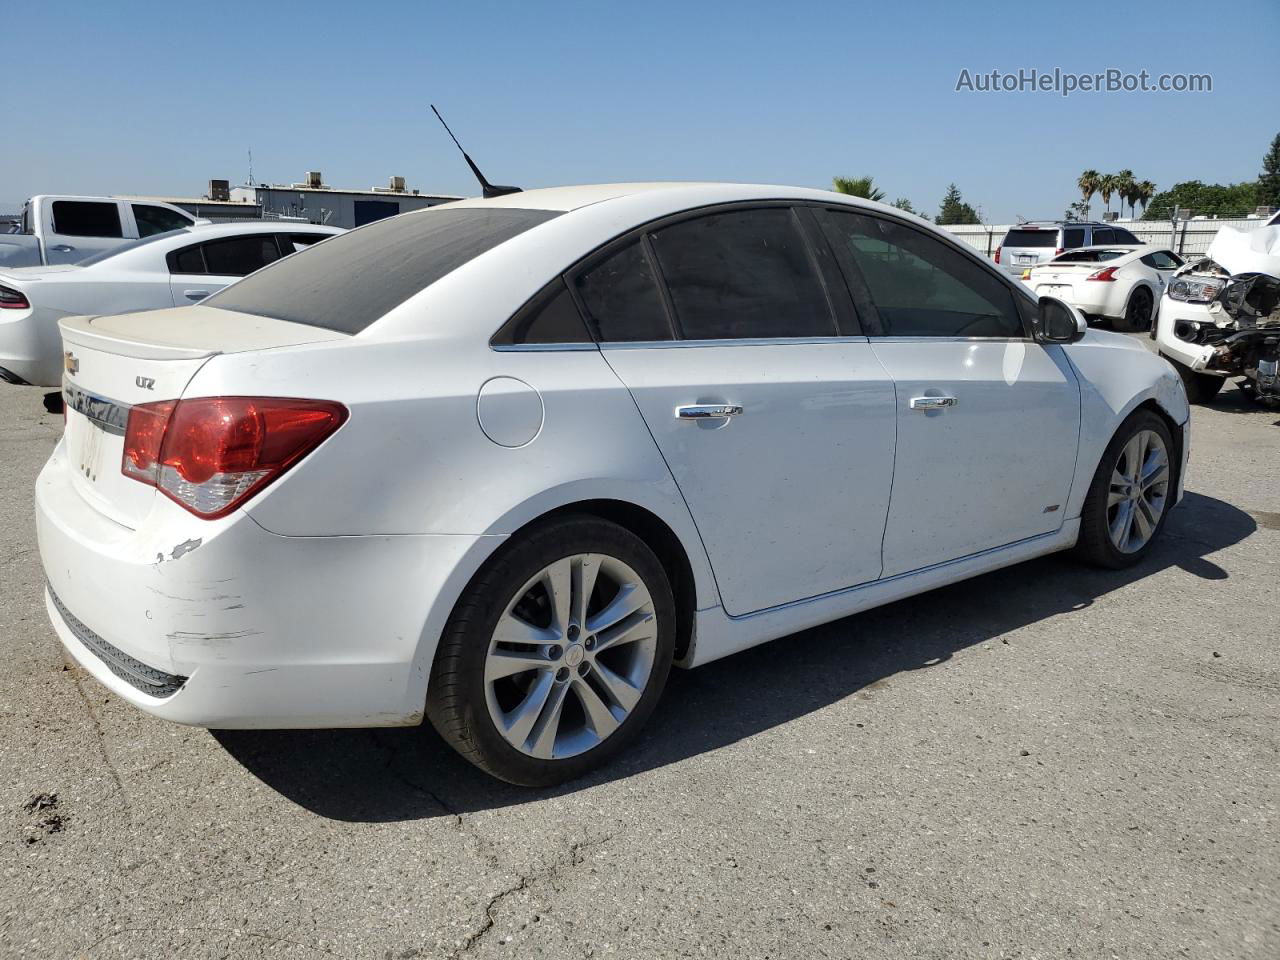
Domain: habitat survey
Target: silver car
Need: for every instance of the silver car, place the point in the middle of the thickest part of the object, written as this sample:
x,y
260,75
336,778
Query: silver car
x,y
1036,241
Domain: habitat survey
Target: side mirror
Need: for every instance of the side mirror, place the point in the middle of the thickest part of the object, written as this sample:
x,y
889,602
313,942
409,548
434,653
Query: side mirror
x,y
1059,322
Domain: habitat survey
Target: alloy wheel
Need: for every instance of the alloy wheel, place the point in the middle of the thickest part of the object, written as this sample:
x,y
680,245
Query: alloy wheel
x,y
571,656
1139,491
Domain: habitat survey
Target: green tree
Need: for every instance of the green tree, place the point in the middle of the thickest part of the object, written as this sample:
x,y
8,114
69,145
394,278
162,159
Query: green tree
x,y
857,187
954,209
902,203
1204,199
1145,190
1269,181
1079,210
1088,184
1125,184
1107,184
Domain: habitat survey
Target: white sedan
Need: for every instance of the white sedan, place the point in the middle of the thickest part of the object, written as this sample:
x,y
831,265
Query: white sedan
x,y
168,269
1118,282
503,462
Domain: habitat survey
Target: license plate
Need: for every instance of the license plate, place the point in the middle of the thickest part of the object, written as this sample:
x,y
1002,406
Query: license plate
x,y
1025,258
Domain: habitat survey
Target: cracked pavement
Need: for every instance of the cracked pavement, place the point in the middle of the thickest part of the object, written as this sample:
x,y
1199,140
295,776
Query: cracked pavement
x,y
1047,761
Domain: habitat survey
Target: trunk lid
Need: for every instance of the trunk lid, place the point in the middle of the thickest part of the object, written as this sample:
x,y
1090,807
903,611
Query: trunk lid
x,y
114,363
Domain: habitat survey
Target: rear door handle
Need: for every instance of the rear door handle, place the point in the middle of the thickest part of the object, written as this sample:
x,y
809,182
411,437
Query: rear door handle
x,y
932,403
708,411
195,294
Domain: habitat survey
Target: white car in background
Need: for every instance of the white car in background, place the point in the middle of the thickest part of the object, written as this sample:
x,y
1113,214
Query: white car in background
x,y
1117,282
169,269
502,462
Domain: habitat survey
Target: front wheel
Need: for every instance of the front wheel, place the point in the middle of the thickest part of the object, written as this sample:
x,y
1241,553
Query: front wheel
x,y
1130,496
557,654
1200,387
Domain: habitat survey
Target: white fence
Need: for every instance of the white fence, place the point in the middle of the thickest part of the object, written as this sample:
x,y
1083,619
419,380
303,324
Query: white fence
x,y
1187,238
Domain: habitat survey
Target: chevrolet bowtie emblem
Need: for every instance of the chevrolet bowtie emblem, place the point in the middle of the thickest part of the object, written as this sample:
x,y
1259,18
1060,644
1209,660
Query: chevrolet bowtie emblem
x,y
70,362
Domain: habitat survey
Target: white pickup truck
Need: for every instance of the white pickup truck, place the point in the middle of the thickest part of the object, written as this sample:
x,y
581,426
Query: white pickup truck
x,y
68,229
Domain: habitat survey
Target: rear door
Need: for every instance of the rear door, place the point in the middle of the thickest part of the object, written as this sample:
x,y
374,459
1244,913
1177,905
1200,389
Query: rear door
x,y
202,269
777,425
988,419
1026,246
82,228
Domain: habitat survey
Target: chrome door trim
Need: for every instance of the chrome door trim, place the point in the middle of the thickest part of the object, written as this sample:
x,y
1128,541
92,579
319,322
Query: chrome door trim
x,y
740,342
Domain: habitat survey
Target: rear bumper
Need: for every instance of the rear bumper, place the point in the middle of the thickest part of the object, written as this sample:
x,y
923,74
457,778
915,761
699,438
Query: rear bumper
x,y
30,347
239,627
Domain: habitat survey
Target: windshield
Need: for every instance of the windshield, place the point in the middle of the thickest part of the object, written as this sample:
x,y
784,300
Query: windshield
x,y
1090,256
126,247
351,280
1031,238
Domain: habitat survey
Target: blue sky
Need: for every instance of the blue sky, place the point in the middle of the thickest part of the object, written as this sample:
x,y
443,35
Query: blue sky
x,y
127,97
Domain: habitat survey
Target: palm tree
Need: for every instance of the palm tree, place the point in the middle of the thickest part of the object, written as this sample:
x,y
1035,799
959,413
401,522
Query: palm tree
x,y
1124,187
1106,187
1088,184
1145,190
857,187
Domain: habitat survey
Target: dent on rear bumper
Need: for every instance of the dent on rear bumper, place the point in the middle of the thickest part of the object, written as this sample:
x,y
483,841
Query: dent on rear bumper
x,y
271,631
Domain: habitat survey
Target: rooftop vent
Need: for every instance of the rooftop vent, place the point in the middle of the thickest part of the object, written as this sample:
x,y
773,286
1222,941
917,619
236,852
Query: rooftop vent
x,y
219,190
314,180
397,184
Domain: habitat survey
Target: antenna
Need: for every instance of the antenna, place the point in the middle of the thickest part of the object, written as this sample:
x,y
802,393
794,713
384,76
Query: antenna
x,y
487,190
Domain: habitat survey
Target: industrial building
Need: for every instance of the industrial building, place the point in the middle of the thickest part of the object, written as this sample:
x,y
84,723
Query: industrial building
x,y
315,201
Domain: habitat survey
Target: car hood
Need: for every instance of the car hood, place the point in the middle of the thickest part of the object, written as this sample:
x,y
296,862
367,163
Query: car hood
x,y
1247,251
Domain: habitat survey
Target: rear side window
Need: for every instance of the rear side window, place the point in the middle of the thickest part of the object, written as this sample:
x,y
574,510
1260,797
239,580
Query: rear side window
x,y
353,279
190,260
1072,237
293,242
240,256
152,220
1031,238
552,317
742,274
621,297
86,218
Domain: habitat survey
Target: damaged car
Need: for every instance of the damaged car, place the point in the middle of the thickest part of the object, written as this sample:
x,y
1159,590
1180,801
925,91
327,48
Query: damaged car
x,y
1220,316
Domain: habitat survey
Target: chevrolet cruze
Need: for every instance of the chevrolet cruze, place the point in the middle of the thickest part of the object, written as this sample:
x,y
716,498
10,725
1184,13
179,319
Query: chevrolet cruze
x,y
502,463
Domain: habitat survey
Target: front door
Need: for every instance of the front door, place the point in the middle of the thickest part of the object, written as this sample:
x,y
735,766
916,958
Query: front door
x,y
988,419
778,431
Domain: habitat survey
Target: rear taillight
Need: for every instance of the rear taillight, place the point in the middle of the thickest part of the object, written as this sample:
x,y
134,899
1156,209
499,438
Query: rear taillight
x,y
211,454
997,254
1106,273
1060,251
11,299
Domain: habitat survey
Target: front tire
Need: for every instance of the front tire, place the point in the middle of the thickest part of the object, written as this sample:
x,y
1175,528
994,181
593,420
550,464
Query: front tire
x,y
1137,313
1200,387
1131,493
556,654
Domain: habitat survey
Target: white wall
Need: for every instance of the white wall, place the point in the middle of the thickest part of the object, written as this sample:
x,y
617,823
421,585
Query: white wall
x,y
1187,238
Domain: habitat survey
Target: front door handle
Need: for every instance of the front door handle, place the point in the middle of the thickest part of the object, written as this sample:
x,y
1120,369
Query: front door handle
x,y
63,247
708,411
195,294
932,403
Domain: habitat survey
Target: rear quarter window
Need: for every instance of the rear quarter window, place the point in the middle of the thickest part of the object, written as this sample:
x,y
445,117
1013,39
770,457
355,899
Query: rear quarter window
x,y
1031,238
353,279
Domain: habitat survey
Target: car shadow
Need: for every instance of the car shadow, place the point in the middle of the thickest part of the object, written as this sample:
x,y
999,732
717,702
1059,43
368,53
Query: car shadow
x,y
405,774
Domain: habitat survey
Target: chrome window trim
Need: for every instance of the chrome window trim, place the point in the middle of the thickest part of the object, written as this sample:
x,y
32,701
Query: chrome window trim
x,y
933,339
541,347
737,342
111,416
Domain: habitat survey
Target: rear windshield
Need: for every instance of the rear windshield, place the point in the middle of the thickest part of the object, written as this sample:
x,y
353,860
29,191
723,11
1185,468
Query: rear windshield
x,y
1031,238
1090,256
351,280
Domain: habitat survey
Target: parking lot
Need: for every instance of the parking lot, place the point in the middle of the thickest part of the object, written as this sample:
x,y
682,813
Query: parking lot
x,y
1048,761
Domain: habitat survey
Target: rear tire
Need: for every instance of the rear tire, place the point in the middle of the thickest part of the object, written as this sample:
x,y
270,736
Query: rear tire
x,y
556,654
1200,387
1130,495
1137,313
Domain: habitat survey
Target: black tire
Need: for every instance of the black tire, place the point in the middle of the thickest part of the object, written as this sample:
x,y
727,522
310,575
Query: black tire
x,y
1094,545
1200,387
1137,313
456,700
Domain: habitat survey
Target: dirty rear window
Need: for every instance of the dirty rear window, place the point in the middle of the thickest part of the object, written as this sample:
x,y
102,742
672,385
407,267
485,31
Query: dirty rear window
x,y
351,280
1031,238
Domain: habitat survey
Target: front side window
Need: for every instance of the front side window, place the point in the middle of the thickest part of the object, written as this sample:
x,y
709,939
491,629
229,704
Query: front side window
x,y
742,274
152,220
1124,236
86,218
240,256
1163,260
921,286
1103,235
622,298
